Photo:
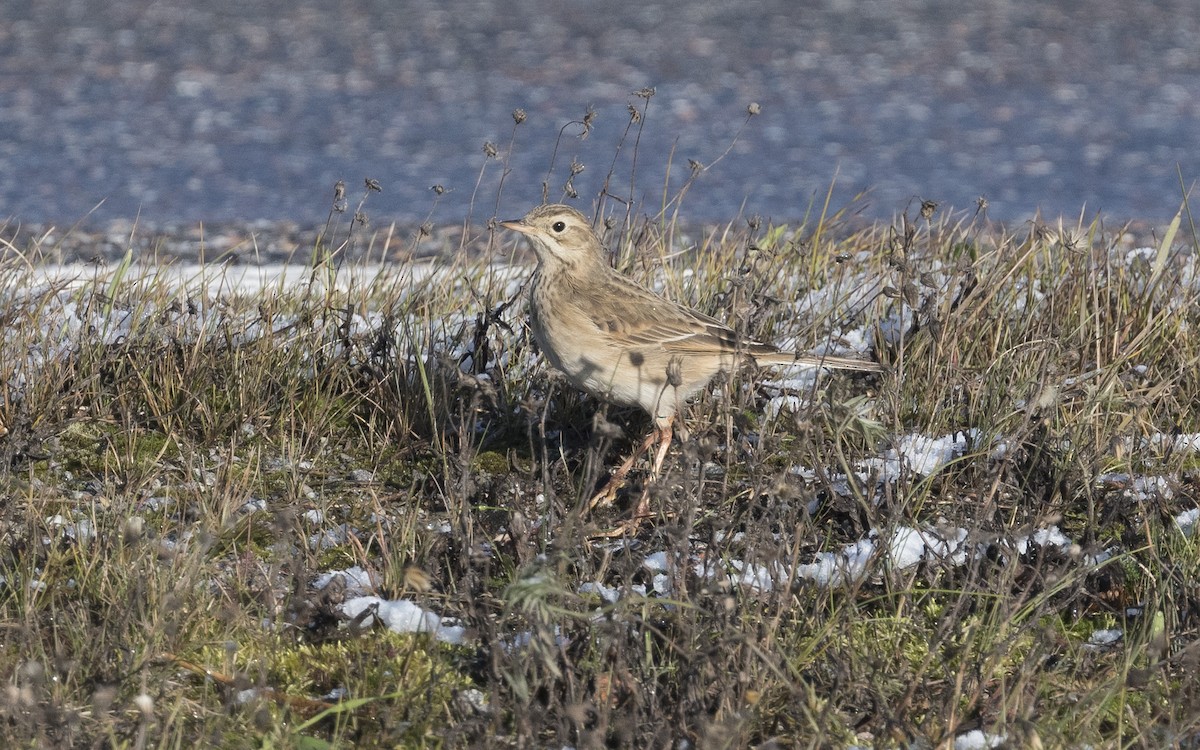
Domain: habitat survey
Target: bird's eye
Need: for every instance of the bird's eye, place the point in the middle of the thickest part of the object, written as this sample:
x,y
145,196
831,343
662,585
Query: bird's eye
x,y
558,226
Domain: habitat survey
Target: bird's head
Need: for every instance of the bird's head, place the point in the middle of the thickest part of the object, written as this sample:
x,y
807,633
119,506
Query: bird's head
x,y
561,236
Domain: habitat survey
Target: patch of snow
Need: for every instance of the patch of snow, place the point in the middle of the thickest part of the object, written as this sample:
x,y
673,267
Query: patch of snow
x,y
330,538
607,593
475,699
1102,638
893,327
157,502
357,580
403,616
789,404
795,378
1187,520
758,577
247,696
907,547
836,568
253,505
1141,254
926,455
977,739
80,531
656,561
1050,537
1102,556
523,639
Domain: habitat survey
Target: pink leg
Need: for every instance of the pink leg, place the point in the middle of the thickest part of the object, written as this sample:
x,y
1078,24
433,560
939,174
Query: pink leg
x,y
664,443
661,436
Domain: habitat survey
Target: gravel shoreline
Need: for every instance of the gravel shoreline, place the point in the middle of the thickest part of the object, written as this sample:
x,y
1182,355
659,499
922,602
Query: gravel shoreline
x,y
265,243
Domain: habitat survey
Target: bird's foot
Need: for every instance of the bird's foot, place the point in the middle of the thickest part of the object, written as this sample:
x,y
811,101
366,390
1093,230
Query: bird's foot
x,y
607,493
629,527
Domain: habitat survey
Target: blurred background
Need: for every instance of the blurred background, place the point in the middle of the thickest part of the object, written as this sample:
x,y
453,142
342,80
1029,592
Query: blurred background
x,y
220,110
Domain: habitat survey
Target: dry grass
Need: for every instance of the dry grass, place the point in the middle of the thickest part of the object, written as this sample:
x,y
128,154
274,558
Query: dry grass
x,y
182,461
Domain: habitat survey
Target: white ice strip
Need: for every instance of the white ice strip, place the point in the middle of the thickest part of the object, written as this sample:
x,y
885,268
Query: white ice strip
x,y
252,279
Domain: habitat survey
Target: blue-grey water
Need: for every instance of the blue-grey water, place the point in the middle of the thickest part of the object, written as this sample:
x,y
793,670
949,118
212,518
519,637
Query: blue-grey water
x,y
220,110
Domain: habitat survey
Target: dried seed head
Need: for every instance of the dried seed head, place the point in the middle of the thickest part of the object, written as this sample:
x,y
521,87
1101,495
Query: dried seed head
x,y
518,116
576,167
645,93
145,704
416,579
103,697
1047,398
753,109
981,203
438,189
489,149
373,185
360,217
133,530
927,209
603,428
588,118
695,166
339,196
634,115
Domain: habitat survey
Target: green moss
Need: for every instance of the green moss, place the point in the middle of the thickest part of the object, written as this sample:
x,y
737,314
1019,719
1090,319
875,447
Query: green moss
x,y
404,471
400,684
490,462
404,667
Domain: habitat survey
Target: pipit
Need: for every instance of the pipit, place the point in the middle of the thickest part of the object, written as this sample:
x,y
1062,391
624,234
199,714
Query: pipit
x,y
622,342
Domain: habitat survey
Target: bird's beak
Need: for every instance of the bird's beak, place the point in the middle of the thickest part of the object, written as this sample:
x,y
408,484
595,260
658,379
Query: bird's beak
x,y
517,225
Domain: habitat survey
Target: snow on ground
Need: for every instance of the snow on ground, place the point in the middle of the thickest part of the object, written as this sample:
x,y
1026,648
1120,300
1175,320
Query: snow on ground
x,y
977,739
187,302
885,549
403,616
1187,521
245,279
398,615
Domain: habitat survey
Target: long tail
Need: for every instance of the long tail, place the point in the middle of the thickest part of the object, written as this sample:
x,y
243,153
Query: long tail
x,y
820,360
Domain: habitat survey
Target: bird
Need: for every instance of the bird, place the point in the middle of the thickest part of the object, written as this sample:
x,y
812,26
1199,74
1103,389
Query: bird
x,y
626,344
